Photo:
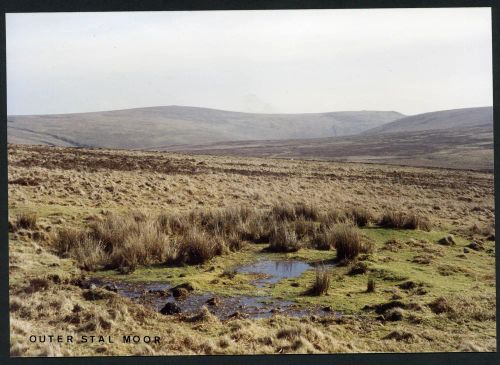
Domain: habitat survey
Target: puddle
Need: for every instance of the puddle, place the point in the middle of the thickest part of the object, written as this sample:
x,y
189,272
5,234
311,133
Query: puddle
x,y
270,271
156,295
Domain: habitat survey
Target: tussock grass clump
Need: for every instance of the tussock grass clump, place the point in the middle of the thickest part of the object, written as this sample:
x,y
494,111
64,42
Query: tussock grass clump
x,y
144,246
358,268
113,229
306,211
26,221
480,307
37,284
398,219
360,216
283,239
487,231
88,253
332,216
66,239
321,282
347,241
172,223
415,221
392,219
323,239
460,308
370,285
105,245
304,229
124,241
257,230
283,212
226,222
197,246
234,242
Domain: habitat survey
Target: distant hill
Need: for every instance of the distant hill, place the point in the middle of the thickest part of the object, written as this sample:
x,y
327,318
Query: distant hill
x,y
455,118
158,127
461,138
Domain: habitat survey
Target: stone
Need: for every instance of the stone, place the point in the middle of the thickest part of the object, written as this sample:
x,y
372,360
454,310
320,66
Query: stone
x,y
111,287
170,309
476,246
449,240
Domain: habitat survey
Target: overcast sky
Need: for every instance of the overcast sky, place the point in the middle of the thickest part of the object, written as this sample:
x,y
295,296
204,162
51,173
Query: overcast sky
x,y
408,60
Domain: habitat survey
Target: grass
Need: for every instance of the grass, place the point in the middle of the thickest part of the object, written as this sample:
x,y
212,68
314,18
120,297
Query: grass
x,y
321,283
371,285
283,239
43,298
347,241
197,247
407,220
26,221
360,216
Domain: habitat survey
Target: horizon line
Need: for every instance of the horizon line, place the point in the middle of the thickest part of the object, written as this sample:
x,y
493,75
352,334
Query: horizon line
x,y
242,112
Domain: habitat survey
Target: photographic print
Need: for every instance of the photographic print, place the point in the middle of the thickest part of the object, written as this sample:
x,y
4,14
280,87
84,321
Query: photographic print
x,y
250,182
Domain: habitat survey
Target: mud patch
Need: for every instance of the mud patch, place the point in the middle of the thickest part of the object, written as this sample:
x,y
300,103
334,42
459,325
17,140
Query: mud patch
x,y
156,295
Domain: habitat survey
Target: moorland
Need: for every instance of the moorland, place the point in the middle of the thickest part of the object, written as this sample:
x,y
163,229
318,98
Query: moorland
x,y
244,255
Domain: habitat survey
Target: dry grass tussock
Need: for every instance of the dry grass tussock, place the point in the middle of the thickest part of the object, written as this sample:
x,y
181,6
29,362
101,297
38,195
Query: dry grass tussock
x,y
124,241
25,221
321,283
348,242
410,220
461,308
283,239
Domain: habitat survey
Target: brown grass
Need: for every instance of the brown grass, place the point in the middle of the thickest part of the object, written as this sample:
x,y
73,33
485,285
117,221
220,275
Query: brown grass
x,y
347,241
323,240
399,219
360,216
332,216
124,241
283,212
460,308
76,185
392,219
307,211
304,229
26,221
321,283
197,246
370,285
283,239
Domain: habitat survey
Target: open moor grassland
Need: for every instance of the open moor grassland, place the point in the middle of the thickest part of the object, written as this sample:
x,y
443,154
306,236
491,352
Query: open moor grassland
x,y
401,258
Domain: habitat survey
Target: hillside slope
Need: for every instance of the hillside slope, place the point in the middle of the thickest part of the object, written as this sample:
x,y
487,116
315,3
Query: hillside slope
x,y
461,139
455,118
155,127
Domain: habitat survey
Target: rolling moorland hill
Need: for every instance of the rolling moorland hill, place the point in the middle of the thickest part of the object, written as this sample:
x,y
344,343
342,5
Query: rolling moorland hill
x,y
158,127
445,119
461,138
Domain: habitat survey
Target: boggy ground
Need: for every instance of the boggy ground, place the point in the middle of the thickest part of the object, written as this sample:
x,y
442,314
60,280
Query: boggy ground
x,y
428,296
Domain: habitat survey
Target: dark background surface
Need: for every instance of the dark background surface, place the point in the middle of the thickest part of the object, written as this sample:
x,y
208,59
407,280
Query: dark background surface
x,y
20,6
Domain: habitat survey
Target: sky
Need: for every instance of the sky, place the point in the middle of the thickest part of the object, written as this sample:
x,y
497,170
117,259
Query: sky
x,y
283,61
